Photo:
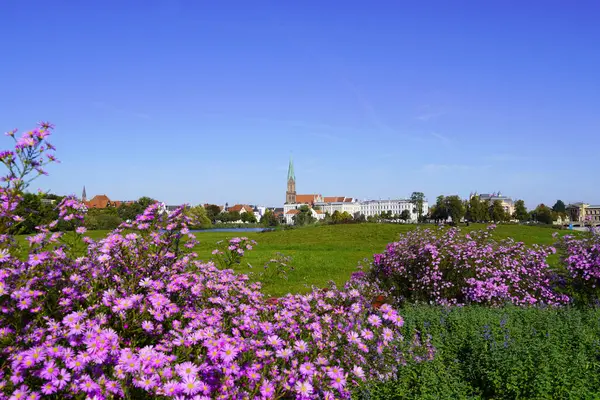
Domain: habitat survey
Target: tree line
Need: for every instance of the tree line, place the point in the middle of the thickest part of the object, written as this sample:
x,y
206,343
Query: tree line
x,y
477,210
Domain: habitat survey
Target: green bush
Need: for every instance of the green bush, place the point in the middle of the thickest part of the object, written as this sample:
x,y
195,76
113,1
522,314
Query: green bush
x,y
102,220
500,353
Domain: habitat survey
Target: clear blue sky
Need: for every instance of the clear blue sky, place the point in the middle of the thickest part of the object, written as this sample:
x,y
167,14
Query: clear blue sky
x,y
203,101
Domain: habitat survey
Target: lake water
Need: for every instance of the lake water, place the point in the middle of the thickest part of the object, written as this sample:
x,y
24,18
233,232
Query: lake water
x,y
231,230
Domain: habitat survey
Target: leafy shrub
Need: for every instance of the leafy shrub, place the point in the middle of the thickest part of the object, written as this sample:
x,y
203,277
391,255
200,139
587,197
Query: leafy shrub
x,y
500,353
443,266
104,221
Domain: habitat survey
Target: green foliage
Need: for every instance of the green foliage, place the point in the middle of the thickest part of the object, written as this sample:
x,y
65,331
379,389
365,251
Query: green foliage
x,y
455,207
439,212
500,353
128,212
405,215
269,219
542,214
559,207
229,216
145,202
341,217
448,206
106,219
520,211
304,217
477,210
248,217
212,212
35,209
199,218
417,199
497,212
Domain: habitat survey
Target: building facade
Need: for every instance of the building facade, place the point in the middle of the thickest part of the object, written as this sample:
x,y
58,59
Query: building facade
x,y
584,213
375,207
507,203
340,204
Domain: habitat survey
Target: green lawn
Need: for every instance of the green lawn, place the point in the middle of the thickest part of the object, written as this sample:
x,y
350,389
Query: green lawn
x,y
332,252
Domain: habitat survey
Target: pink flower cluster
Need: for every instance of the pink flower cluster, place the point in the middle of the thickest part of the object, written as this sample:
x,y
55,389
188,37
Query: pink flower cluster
x,y
444,266
580,257
230,252
138,316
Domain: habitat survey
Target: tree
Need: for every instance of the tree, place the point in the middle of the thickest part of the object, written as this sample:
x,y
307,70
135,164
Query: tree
x,y
405,215
439,212
30,209
269,219
417,199
497,212
520,213
198,216
145,201
559,207
129,211
102,219
455,208
212,212
476,210
543,214
359,218
234,216
304,217
249,217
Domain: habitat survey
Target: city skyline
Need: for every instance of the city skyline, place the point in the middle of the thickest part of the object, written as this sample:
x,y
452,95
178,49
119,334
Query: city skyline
x,y
191,102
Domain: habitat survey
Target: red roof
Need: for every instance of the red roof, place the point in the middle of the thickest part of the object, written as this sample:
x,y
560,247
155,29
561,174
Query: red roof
x,y
306,198
102,201
333,199
240,207
293,212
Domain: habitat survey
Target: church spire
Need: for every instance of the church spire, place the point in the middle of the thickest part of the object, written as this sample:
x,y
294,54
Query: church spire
x,y
83,195
291,174
290,194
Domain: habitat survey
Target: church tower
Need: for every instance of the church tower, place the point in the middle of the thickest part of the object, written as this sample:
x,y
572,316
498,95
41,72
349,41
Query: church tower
x,y
83,196
290,194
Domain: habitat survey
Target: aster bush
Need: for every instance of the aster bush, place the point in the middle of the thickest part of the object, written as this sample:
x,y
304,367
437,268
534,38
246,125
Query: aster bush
x,y
444,266
580,259
138,315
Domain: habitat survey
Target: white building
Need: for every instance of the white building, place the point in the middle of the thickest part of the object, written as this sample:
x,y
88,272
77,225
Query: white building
x,y
339,204
375,207
259,211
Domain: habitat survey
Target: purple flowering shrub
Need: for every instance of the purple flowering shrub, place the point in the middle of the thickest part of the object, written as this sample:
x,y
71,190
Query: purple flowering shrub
x,y
444,266
229,253
580,258
138,316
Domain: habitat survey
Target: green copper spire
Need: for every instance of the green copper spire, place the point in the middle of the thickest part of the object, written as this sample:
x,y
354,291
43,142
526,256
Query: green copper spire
x,y
291,174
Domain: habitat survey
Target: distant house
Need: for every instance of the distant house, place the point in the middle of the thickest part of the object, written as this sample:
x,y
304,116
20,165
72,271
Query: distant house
x,y
583,212
241,208
507,202
101,201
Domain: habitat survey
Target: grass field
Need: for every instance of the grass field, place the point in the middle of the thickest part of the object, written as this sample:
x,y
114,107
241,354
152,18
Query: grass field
x,y
332,252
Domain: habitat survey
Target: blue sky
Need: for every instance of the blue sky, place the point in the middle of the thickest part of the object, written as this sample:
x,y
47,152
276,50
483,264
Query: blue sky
x,y
203,101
